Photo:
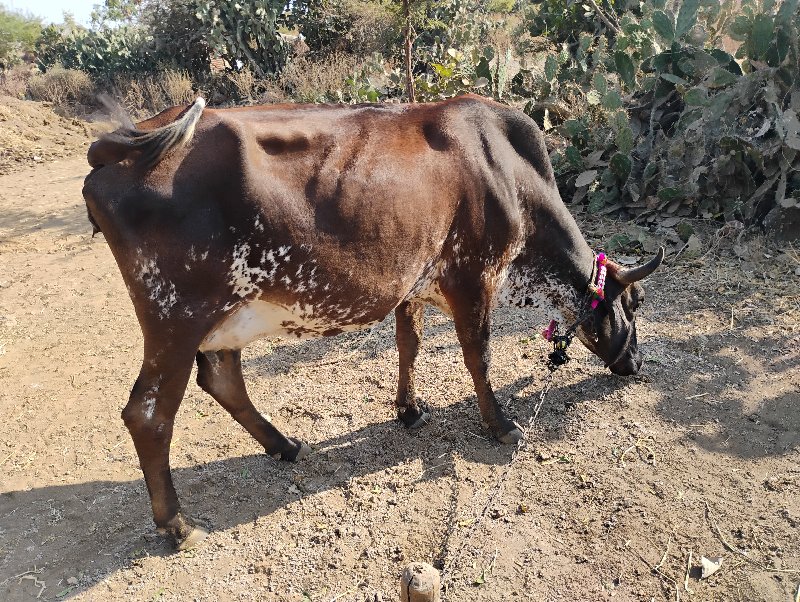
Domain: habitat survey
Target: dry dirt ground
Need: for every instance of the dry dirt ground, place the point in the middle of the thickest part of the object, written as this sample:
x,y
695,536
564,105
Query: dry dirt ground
x,y
623,485
31,132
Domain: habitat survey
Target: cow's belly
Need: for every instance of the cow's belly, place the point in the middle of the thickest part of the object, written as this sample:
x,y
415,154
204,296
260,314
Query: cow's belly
x,y
261,319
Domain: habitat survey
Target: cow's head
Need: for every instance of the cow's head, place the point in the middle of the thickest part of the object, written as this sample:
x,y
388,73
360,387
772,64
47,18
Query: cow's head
x,y
611,331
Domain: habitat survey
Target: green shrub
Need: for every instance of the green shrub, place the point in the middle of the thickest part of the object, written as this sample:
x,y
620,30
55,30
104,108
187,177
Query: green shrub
x,y
104,51
661,120
179,35
355,27
18,34
245,33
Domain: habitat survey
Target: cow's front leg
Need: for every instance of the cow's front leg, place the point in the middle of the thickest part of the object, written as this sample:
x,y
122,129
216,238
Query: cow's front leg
x,y
220,375
408,334
472,317
149,416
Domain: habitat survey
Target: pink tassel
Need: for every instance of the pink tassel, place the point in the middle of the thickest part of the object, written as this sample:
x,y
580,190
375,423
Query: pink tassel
x,y
597,291
548,332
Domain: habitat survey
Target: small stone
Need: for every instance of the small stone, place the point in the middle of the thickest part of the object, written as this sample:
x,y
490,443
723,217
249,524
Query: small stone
x,y
693,245
710,566
420,582
72,581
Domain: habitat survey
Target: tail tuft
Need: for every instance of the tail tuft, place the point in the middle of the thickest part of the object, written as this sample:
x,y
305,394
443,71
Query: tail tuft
x,y
146,147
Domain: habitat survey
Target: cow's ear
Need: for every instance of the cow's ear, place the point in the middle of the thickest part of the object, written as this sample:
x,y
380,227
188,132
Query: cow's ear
x,y
106,152
628,276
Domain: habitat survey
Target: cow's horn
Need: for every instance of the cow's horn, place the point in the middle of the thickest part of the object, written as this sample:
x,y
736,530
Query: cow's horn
x,y
630,275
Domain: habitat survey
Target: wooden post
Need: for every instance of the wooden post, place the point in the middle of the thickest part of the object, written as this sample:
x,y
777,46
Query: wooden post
x,y
407,50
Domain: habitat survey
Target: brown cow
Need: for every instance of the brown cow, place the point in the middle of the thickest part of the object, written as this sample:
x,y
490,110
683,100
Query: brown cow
x,y
297,220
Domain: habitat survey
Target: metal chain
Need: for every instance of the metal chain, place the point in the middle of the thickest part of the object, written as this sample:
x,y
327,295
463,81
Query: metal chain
x,y
494,495
557,358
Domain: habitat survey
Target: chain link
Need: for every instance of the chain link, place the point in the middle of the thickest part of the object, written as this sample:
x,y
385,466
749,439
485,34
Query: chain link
x,y
557,358
451,566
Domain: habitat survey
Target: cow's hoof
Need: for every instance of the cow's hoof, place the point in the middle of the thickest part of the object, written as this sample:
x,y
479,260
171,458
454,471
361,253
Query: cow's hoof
x,y
300,452
414,418
513,436
304,450
194,539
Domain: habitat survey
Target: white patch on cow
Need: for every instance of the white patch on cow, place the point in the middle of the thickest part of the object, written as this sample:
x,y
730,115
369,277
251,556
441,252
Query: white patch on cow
x,y
426,274
258,225
426,287
259,319
160,290
522,288
149,407
432,295
244,278
150,401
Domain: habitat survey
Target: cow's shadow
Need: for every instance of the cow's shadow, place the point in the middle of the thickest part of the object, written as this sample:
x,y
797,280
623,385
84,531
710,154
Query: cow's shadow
x,y
90,530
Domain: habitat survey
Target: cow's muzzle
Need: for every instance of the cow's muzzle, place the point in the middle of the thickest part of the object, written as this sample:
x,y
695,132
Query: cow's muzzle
x,y
628,364
627,360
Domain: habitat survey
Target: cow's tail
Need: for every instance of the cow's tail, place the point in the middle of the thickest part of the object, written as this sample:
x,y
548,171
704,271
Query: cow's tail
x,y
146,147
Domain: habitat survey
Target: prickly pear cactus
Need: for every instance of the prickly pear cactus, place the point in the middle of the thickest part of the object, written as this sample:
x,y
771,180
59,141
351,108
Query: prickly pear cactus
x,y
245,32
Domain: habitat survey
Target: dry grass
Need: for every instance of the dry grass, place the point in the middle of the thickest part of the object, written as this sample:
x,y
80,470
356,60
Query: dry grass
x,y
177,87
374,28
310,80
14,82
62,87
144,95
244,84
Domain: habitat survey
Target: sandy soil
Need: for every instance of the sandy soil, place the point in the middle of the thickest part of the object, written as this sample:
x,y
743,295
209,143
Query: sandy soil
x,y
32,132
624,483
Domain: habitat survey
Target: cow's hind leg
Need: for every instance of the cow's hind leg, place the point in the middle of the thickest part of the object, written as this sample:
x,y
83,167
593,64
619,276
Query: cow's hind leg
x,y
472,317
150,416
408,334
219,373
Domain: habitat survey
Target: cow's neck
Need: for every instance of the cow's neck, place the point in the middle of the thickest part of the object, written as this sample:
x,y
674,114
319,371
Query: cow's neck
x,y
553,269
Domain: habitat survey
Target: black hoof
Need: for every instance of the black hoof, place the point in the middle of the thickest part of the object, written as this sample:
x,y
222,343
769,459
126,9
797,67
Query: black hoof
x,y
194,539
415,417
509,433
512,437
297,453
184,534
